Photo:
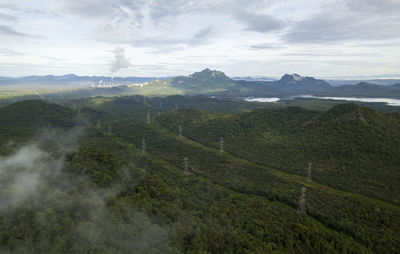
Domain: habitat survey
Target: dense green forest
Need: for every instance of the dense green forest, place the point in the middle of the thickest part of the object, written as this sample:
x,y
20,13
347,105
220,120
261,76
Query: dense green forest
x,y
197,175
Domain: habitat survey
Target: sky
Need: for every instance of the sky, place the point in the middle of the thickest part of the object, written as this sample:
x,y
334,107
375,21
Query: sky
x,y
321,38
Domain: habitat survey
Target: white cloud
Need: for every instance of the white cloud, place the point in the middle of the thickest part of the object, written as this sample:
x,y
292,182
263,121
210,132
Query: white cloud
x,y
120,61
225,33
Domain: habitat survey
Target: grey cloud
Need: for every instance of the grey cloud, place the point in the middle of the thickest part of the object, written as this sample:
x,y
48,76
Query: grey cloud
x,y
328,28
115,10
266,46
9,31
9,52
9,6
164,8
86,8
387,7
170,44
259,22
8,17
161,9
201,37
120,61
54,58
21,9
354,21
119,20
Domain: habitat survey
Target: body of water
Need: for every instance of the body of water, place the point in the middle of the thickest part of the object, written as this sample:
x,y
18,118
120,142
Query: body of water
x,y
263,99
388,101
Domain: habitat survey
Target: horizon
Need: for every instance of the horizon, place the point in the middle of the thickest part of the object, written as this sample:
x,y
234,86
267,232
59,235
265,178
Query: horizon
x,y
338,78
323,39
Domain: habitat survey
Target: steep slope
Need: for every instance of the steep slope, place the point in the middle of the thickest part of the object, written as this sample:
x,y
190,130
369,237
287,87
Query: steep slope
x,y
110,197
338,210
350,147
22,119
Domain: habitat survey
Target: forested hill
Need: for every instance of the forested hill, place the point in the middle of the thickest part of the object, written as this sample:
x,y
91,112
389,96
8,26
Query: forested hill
x,y
352,148
197,175
217,83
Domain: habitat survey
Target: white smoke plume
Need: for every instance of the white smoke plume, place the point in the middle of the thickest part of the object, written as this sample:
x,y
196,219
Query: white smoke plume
x,y
120,61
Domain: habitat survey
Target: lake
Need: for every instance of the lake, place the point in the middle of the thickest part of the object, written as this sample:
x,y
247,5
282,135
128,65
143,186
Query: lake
x,y
388,101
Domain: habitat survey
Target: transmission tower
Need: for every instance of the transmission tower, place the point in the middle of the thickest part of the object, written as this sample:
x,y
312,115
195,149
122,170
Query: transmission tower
x,y
143,146
160,104
180,130
176,106
185,166
148,118
221,144
309,179
109,128
302,201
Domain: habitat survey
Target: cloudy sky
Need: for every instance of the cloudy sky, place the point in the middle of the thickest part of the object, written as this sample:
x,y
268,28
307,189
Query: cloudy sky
x,y
322,38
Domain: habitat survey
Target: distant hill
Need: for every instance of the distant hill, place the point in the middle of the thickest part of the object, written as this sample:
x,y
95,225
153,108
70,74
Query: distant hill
x,y
296,79
341,82
205,76
294,84
71,78
205,81
216,83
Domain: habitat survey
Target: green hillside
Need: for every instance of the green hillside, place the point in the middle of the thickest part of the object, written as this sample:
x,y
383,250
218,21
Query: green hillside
x,y
351,148
23,119
122,186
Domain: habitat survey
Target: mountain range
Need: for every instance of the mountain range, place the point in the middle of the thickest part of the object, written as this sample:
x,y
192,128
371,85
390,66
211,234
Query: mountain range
x,y
288,85
216,83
